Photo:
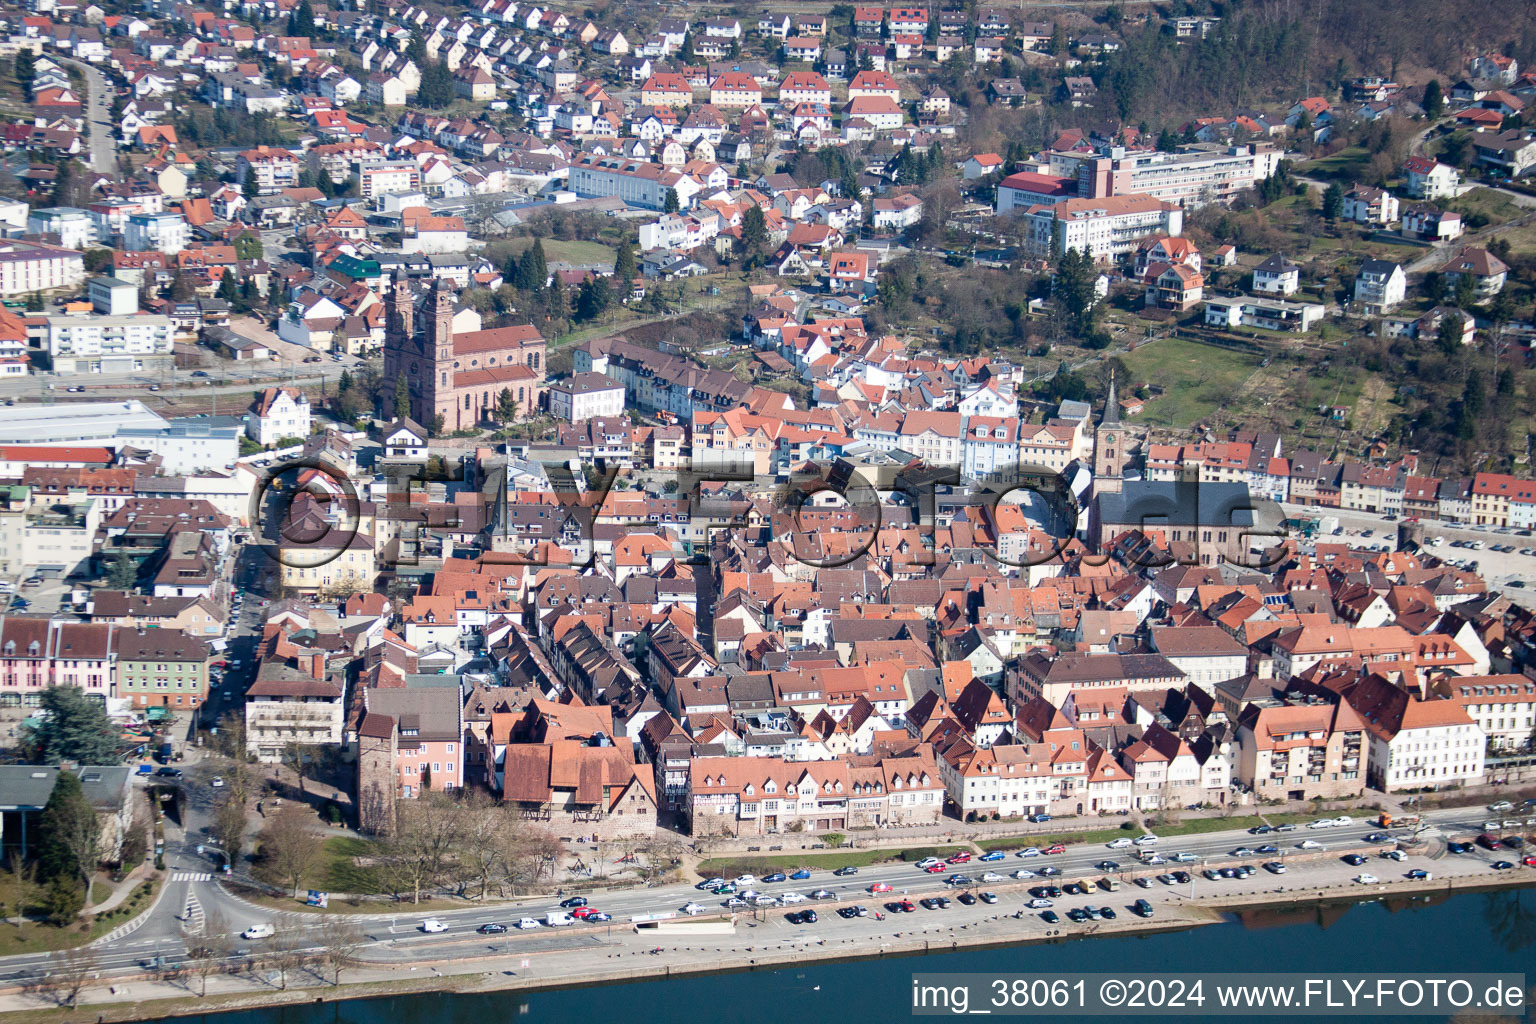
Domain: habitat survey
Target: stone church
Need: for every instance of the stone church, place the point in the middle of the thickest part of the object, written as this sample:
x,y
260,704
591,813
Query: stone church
x,y
457,376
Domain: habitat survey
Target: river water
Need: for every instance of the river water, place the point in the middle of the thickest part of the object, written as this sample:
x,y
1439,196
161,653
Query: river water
x,y
1469,932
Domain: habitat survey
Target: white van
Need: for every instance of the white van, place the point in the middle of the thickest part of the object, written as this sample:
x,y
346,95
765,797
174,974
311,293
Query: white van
x,y
259,931
558,919
432,925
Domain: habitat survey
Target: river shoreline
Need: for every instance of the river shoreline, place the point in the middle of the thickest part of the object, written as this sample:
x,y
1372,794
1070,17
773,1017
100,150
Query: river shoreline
x,y
621,962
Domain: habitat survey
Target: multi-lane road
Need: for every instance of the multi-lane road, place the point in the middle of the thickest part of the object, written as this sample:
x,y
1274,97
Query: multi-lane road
x,y
396,935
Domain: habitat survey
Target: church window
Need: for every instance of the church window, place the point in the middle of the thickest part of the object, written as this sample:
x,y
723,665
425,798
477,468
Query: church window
x,y
466,401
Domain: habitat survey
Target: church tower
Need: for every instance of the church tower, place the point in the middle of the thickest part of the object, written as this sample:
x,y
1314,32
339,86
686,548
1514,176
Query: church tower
x,y
437,344
1109,445
398,323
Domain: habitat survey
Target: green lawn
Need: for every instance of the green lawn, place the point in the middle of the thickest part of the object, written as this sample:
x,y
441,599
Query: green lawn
x,y
340,871
575,252
1197,379
1345,165
34,937
787,862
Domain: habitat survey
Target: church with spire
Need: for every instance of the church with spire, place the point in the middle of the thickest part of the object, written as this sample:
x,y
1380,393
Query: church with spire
x,y
1109,444
458,376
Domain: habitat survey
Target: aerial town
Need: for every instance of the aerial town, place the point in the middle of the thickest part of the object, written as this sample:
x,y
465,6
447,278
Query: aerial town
x,y
466,461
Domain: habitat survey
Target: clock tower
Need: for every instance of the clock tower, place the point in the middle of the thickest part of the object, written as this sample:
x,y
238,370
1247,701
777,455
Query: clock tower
x,y
1109,445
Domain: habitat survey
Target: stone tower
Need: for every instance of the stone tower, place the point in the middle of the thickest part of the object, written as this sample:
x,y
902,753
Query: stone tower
x,y
1109,445
437,342
399,328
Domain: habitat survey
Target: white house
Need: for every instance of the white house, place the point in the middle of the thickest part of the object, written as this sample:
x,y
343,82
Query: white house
x,y
276,414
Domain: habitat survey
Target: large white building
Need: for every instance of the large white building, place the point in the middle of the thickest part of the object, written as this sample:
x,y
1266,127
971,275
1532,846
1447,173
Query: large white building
x,y
107,344
1417,744
92,422
156,232
1107,228
191,444
1272,314
27,267
75,227
1200,173
586,396
635,181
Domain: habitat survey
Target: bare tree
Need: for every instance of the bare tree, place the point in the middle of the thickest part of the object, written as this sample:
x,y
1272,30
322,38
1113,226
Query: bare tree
x,y
340,939
18,889
290,846
285,954
293,757
229,826
209,949
488,830
426,835
70,972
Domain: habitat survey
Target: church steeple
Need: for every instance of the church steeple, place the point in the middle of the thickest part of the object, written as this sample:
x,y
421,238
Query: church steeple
x,y
1108,444
1111,404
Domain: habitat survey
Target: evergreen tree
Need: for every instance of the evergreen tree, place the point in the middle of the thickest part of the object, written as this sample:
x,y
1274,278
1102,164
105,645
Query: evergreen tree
x,y
1466,291
64,184
532,268
1449,338
70,834
754,232
1433,286
1058,40
302,21
1333,202
1166,143
402,397
438,425
227,288
1434,100
437,89
506,406
593,298
26,71
1075,280
416,50
345,383
670,204
35,302
75,728
123,575
250,188
624,266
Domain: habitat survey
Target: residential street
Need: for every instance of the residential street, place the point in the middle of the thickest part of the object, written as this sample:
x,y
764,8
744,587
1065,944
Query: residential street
x,y
102,132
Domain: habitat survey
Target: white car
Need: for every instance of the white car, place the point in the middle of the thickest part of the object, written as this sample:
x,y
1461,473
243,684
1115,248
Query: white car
x,y
1029,851
1367,879
1024,873
928,862
1343,819
745,879
1322,823
691,909
1121,844
1146,840
432,924
1310,844
991,876
529,922
1153,857
792,897
750,894
1397,855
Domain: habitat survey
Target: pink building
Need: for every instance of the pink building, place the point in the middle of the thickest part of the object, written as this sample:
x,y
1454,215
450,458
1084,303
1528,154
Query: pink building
x,y
426,718
38,653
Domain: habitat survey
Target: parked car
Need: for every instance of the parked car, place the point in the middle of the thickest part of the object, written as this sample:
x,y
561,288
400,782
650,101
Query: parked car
x,y
1049,917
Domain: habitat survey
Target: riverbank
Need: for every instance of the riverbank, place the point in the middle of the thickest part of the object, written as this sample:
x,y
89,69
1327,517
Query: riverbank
x,y
529,964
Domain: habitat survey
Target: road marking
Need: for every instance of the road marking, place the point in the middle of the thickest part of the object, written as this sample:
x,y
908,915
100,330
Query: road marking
x,y
191,876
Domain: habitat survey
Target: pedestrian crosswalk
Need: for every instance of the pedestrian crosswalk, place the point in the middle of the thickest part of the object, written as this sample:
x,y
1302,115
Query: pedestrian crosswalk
x,y
191,876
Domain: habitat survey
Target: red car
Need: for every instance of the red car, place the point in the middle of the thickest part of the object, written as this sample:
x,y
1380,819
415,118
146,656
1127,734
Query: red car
x,y
581,913
880,887
1058,848
1530,862
907,906
934,869
960,858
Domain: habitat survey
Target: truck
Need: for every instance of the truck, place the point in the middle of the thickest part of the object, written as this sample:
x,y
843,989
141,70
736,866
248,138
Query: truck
x,y
1389,820
558,919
